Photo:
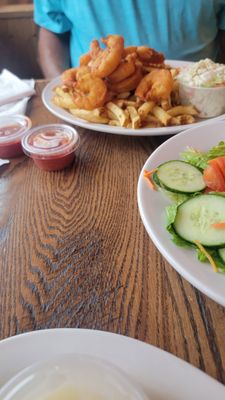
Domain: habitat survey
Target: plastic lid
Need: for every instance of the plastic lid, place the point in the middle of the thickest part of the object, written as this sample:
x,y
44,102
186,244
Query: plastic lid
x,y
72,376
13,127
49,140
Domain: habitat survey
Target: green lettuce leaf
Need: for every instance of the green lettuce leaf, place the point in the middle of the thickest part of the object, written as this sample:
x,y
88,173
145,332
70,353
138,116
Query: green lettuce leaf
x,y
215,256
177,239
176,198
217,151
199,158
171,212
219,263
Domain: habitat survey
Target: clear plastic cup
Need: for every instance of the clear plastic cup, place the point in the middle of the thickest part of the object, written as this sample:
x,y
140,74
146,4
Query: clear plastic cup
x,y
12,130
210,102
72,376
52,147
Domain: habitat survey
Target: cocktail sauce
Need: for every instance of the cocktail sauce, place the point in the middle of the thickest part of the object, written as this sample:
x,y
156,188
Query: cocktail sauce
x,y
12,129
52,147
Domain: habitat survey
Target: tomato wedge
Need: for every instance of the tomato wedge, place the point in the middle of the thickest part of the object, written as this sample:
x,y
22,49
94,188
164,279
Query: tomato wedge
x,y
221,162
214,174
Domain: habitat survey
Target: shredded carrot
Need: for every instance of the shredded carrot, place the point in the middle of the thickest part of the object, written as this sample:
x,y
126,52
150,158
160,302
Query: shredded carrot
x,y
219,225
148,175
212,262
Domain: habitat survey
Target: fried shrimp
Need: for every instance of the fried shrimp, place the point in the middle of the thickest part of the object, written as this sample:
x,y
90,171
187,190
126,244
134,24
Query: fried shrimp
x,y
95,49
125,68
89,92
70,76
105,61
85,59
129,49
156,85
129,87
148,55
127,84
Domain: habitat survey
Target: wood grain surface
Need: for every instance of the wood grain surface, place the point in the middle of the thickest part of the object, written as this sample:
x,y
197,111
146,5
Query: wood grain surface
x,y
74,253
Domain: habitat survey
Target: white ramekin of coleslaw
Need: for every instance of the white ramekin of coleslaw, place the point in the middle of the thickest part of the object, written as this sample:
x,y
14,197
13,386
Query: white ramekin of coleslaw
x,y
203,85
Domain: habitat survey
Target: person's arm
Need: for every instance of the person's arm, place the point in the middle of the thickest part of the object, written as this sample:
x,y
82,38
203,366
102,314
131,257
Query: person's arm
x,y
221,38
53,53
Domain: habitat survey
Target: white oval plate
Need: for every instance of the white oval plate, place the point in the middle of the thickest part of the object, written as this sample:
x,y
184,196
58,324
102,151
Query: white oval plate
x,y
47,95
162,375
152,210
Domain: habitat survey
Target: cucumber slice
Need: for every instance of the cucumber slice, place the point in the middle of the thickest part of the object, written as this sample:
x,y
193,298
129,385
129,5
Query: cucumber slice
x,y
155,179
195,217
222,254
180,176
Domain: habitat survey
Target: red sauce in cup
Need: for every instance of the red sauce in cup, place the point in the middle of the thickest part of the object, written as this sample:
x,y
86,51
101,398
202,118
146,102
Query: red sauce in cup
x,y
12,129
52,147
9,130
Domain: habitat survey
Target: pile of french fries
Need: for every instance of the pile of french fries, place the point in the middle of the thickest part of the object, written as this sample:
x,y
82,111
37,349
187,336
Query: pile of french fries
x,y
128,111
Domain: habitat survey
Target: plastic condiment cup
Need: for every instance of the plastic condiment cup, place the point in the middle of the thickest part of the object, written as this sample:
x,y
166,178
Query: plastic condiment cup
x,y
210,102
72,376
52,147
12,130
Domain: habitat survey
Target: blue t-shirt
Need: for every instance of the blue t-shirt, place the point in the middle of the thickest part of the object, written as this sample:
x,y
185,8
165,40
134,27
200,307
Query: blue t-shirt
x,y
181,29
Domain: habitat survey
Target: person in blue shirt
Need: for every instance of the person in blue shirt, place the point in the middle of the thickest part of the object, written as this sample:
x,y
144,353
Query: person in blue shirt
x,y
180,29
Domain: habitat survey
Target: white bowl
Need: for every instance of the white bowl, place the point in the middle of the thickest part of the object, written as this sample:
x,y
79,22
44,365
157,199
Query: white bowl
x,y
210,102
71,376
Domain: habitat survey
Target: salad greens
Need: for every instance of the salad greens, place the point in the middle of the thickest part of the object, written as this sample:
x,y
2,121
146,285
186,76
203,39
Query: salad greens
x,y
198,159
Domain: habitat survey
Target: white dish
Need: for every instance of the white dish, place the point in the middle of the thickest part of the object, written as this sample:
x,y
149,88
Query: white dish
x,y
72,376
47,95
162,375
210,102
152,210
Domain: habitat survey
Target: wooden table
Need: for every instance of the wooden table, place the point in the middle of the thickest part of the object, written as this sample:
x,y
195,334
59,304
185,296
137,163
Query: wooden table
x,y
74,253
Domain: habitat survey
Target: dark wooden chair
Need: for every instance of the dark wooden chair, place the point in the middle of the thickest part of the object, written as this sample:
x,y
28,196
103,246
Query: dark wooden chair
x,y
18,41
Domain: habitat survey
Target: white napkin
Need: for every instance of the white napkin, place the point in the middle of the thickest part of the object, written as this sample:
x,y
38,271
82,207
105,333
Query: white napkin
x,y
3,162
14,93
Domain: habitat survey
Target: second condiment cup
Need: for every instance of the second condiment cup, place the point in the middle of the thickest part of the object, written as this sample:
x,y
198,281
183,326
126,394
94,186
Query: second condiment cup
x,y
52,147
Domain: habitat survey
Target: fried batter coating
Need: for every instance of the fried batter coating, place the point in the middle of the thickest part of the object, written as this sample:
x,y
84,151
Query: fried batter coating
x,y
85,59
104,62
129,50
148,55
89,92
125,68
127,84
156,85
70,76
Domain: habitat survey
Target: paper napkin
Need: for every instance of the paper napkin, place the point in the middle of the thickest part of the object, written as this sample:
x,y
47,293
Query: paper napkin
x,y
14,93
3,162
